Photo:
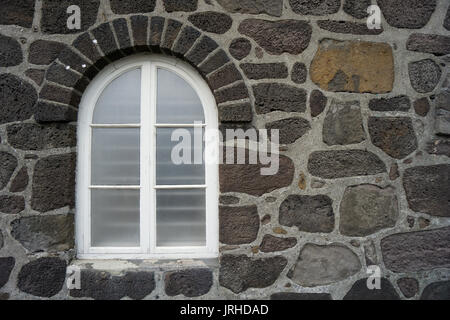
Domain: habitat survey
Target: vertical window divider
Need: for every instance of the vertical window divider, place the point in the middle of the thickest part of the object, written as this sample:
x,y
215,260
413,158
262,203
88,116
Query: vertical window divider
x,y
152,154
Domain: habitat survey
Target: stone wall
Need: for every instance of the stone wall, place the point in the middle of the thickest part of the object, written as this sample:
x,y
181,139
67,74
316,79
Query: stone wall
x,y
364,119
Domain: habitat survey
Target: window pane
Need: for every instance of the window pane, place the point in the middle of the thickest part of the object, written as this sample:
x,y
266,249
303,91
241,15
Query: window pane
x,y
186,173
180,218
115,218
115,156
120,102
177,102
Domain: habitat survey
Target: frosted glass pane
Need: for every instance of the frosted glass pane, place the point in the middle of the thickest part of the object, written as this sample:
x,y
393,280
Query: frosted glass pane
x,y
167,171
177,102
115,218
115,156
120,102
180,218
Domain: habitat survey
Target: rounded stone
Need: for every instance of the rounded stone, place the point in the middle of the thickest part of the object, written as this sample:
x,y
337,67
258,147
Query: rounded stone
x,y
44,52
271,97
360,291
240,48
6,266
422,106
20,182
8,164
18,12
317,102
211,21
436,291
190,283
238,225
270,7
258,71
290,130
357,8
178,5
410,14
10,51
316,7
299,73
12,204
272,244
424,75
408,286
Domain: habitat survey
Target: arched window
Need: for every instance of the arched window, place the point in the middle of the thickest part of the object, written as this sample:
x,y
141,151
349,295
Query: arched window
x,y
133,201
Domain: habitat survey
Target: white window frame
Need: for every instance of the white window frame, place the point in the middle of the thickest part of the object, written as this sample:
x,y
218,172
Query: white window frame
x,y
148,249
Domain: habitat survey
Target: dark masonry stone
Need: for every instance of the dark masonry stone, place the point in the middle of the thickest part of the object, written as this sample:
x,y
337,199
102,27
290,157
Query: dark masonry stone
x,y
270,7
1,239
257,71
272,244
54,183
61,75
240,48
299,73
190,283
53,233
408,286
85,45
136,6
43,277
12,204
428,189
308,213
236,92
214,62
44,52
17,98
48,112
238,273
300,296
290,130
211,21
236,113
139,26
357,8
18,12
224,76
120,27
36,75
76,62
54,15
279,97
180,5
317,102
202,49
439,147
20,182
410,14
238,225
348,27
447,20
277,37
227,200
424,75
400,103
436,291
316,7
422,106
395,136
172,30
101,285
60,94
186,40
429,43
106,41
6,266
10,52
156,31
359,291
344,163
8,163
417,251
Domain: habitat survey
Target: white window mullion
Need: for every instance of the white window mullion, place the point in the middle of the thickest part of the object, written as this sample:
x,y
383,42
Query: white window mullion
x,y
152,154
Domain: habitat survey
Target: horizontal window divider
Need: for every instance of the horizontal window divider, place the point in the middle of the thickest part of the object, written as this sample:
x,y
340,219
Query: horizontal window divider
x,y
131,187
175,187
125,125
180,125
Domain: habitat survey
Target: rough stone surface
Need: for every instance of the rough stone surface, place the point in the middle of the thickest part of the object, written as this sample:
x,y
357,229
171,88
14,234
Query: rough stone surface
x,y
240,48
300,296
428,189
417,251
54,183
320,265
343,124
257,71
299,73
238,273
227,200
6,266
36,75
424,75
17,98
308,213
1,239
408,286
8,164
201,50
290,130
436,291
399,103
233,93
49,112
44,52
341,66
136,6
190,283
236,113
277,37
344,163
224,76
272,244
238,225
316,7
51,233
411,14
359,291
43,277
357,8
12,204
447,20
279,97
429,43
19,12
10,52
395,136
347,27
439,147
270,7
317,102
366,209
211,21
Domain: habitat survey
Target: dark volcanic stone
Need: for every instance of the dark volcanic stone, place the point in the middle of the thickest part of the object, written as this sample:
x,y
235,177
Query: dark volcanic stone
x,y
277,37
17,98
51,233
8,164
238,225
12,204
428,189
20,182
257,71
240,48
214,62
60,94
417,251
6,266
236,113
315,7
344,163
211,21
290,130
348,27
424,75
224,76
422,106
36,75
300,296
18,12
299,73
238,273
279,97
436,291
439,147
270,7
236,92
400,103
59,74
201,50
307,213
447,20
49,112
185,41
408,286
10,52
139,27
43,277
120,27
395,136
227,200
357,8
317,102
44,52
271,243
429,43
170,35
190,283
1,239
54,182
180,5
410,14
106,41
359,291
135,6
